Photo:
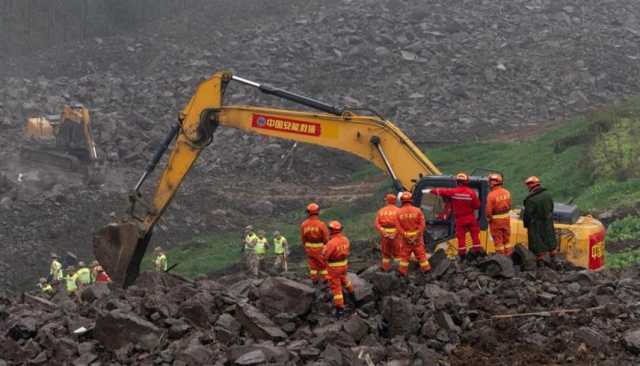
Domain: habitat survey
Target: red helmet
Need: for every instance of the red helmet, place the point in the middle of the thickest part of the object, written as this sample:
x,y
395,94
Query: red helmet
x,y
406,197
462,178
532,181
335,226
495,178
313,209
390,198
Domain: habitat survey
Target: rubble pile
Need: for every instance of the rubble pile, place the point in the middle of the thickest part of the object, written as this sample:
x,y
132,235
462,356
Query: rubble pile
x,y
458,315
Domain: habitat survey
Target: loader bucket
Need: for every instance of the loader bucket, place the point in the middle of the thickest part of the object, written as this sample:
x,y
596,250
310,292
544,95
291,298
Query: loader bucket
x,y
119,247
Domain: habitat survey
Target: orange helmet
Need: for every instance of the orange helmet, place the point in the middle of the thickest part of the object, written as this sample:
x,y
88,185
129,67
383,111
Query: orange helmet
x,y
532,181
391,199
313,209
335,226
462,177
495,178
406,197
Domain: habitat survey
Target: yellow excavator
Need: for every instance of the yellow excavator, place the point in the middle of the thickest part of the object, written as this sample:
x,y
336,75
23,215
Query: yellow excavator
x,y
64,141
120,246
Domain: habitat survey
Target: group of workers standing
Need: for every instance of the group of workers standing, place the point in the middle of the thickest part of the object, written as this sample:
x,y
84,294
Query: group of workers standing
x,y
72,278
256,245
401,231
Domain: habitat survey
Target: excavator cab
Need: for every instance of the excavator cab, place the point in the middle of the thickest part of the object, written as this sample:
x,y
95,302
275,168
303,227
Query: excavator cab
x,y
437,210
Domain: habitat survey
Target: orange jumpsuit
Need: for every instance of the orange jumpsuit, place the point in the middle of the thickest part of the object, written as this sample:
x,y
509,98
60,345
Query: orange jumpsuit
x,y
335,254
387,226
498,207
411,226
314,234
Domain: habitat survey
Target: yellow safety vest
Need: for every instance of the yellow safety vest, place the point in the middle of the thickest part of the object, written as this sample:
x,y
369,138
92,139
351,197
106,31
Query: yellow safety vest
x,y
84,275
261,246
56,270
46,288
249,240
278,244
71,282
161,263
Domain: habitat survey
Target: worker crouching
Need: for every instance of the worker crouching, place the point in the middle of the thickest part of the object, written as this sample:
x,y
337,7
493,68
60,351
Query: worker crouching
x,y
387,226
411,224
314,235
336,254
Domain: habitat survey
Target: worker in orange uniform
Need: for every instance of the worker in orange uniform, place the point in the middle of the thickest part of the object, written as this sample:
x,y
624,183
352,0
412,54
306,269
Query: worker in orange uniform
x,y
387,226
336,254
411,226
497,212
314,235
464,202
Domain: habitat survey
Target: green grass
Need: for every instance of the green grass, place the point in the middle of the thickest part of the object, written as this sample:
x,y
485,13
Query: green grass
x,y
623,259
627,228
591,159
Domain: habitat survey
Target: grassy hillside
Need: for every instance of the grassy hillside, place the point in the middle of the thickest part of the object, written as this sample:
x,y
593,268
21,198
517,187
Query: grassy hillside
x,y
593,159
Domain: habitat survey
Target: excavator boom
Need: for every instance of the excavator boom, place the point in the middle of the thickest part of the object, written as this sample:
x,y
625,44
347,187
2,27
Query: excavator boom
x,y
120,246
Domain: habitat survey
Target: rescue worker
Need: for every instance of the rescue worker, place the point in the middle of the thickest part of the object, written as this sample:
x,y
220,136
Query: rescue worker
x,y
387,225
84,274
464,201
411,226
497,212
248,249
538,219
94,273
160,260
314,235
45,287
262,244
55,269
71,281
101,275
281,250
336,254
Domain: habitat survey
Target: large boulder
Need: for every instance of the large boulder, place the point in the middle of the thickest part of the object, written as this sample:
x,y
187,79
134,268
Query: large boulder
x,y
399,316
119,328
632,341
498,266
385,283
257,324
281,295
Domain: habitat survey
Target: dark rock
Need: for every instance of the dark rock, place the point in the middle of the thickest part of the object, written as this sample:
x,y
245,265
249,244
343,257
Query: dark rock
x,y
85,359
594,339
254,357
440,297
362,289
279,294
523,258
95,291
196,313
439,263
257,324
400,316
117,328
443,319
23,327
332,356
356,327
384,283
632,341
177,328
195,355
498,266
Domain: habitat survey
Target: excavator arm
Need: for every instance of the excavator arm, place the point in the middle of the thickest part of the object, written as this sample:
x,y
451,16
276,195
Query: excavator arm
x,y
119,247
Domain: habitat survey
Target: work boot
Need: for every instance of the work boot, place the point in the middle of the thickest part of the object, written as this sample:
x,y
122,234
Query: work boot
x,y
339,313
463,257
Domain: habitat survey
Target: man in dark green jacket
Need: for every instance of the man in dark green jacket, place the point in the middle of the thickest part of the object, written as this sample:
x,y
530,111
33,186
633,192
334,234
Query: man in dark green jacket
x,y
538,219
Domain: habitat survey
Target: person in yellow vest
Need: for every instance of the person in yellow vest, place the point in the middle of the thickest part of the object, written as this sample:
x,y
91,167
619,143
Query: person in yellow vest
x,y
55,269
160,260
84,274
45,287
71,282
262,244
281,250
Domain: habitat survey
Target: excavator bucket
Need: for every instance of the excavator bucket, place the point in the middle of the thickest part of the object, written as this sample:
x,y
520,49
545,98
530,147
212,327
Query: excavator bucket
x,y
119,247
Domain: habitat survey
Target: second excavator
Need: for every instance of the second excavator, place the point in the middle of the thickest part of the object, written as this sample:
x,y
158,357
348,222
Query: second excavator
x,y
120,246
